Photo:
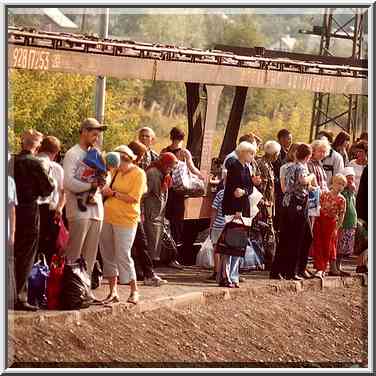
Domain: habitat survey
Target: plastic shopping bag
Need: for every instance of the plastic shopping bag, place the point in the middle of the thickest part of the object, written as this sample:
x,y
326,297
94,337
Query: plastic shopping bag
x,y
76,285
205,256
254,199
185,183
314,202
253,258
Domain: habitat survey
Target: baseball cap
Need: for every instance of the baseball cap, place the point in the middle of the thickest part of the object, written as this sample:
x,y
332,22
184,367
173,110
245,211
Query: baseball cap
x,y
126,150
348,171
91,123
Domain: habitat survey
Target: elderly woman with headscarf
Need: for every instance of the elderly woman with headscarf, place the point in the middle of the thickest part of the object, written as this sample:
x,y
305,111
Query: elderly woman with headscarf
x,y
267,205
121,215
154,201
236,203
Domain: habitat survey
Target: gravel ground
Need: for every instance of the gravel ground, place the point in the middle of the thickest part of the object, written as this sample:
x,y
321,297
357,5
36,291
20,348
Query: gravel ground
x,y
325,328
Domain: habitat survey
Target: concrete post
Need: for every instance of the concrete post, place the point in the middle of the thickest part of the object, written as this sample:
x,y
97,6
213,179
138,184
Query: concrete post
x,y
213,96
100,94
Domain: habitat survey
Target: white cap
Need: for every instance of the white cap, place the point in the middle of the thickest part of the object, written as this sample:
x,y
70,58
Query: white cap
x,y
348,171
126,150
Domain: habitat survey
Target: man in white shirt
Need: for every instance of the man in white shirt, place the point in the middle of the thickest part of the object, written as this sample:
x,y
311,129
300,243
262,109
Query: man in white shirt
x,y
333,163
51,207
147,137
84,226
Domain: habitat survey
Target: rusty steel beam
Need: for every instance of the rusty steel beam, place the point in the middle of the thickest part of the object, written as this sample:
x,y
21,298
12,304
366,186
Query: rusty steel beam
x,y
274,54
195,117
124,67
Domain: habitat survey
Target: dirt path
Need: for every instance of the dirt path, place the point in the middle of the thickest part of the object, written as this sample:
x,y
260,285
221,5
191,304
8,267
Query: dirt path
x,y
313,328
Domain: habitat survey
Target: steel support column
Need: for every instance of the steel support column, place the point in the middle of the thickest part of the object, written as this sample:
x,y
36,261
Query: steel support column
x,y
196,106
233,125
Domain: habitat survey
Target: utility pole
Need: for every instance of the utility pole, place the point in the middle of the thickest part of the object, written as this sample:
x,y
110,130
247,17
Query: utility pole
x,y
100,94
83,21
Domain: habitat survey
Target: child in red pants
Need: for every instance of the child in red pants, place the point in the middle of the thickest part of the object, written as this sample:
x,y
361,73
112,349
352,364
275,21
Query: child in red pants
x,y
325,230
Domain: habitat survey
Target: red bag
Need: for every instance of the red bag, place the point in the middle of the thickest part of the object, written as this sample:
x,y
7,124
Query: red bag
x,y
62,238
55,282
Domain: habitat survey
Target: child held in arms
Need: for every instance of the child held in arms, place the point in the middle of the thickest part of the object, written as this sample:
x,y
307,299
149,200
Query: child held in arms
x,y
325,229
93,169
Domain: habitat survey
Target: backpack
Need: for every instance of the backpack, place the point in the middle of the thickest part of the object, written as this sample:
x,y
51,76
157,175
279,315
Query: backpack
x,y
37,283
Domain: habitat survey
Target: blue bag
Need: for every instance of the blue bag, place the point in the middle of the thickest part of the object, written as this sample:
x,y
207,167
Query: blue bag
x,y
37,283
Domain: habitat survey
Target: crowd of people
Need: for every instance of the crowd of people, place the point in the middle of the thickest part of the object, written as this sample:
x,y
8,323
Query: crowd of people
x,y
115,205
310,205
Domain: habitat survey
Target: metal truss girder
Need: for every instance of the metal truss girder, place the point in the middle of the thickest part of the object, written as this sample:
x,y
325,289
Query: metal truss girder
x,y
150,69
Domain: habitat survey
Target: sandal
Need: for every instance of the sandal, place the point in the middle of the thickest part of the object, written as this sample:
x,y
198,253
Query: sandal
x,y
226,284
111,298
134,297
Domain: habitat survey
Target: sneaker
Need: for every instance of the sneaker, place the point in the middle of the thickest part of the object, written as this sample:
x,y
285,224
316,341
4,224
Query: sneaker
x,y
24,306
242,279
319,274
134,297
297,278
175,264
306,274
155,281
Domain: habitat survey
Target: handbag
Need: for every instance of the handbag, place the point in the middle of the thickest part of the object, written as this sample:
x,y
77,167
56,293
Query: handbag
x,y
55,282
169,249
234,239
62,238
37,283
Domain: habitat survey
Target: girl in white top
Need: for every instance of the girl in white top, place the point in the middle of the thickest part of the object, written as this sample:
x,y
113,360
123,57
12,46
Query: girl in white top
x,y
360,162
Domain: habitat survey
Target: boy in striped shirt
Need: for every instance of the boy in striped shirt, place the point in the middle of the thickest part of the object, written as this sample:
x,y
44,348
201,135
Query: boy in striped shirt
x,y
217,223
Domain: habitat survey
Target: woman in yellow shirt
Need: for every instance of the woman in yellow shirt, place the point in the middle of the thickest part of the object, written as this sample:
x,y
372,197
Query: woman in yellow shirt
x,y
121,216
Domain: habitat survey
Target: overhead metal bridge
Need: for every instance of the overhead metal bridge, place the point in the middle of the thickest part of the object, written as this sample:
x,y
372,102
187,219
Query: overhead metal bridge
x,y
70,53
208,69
